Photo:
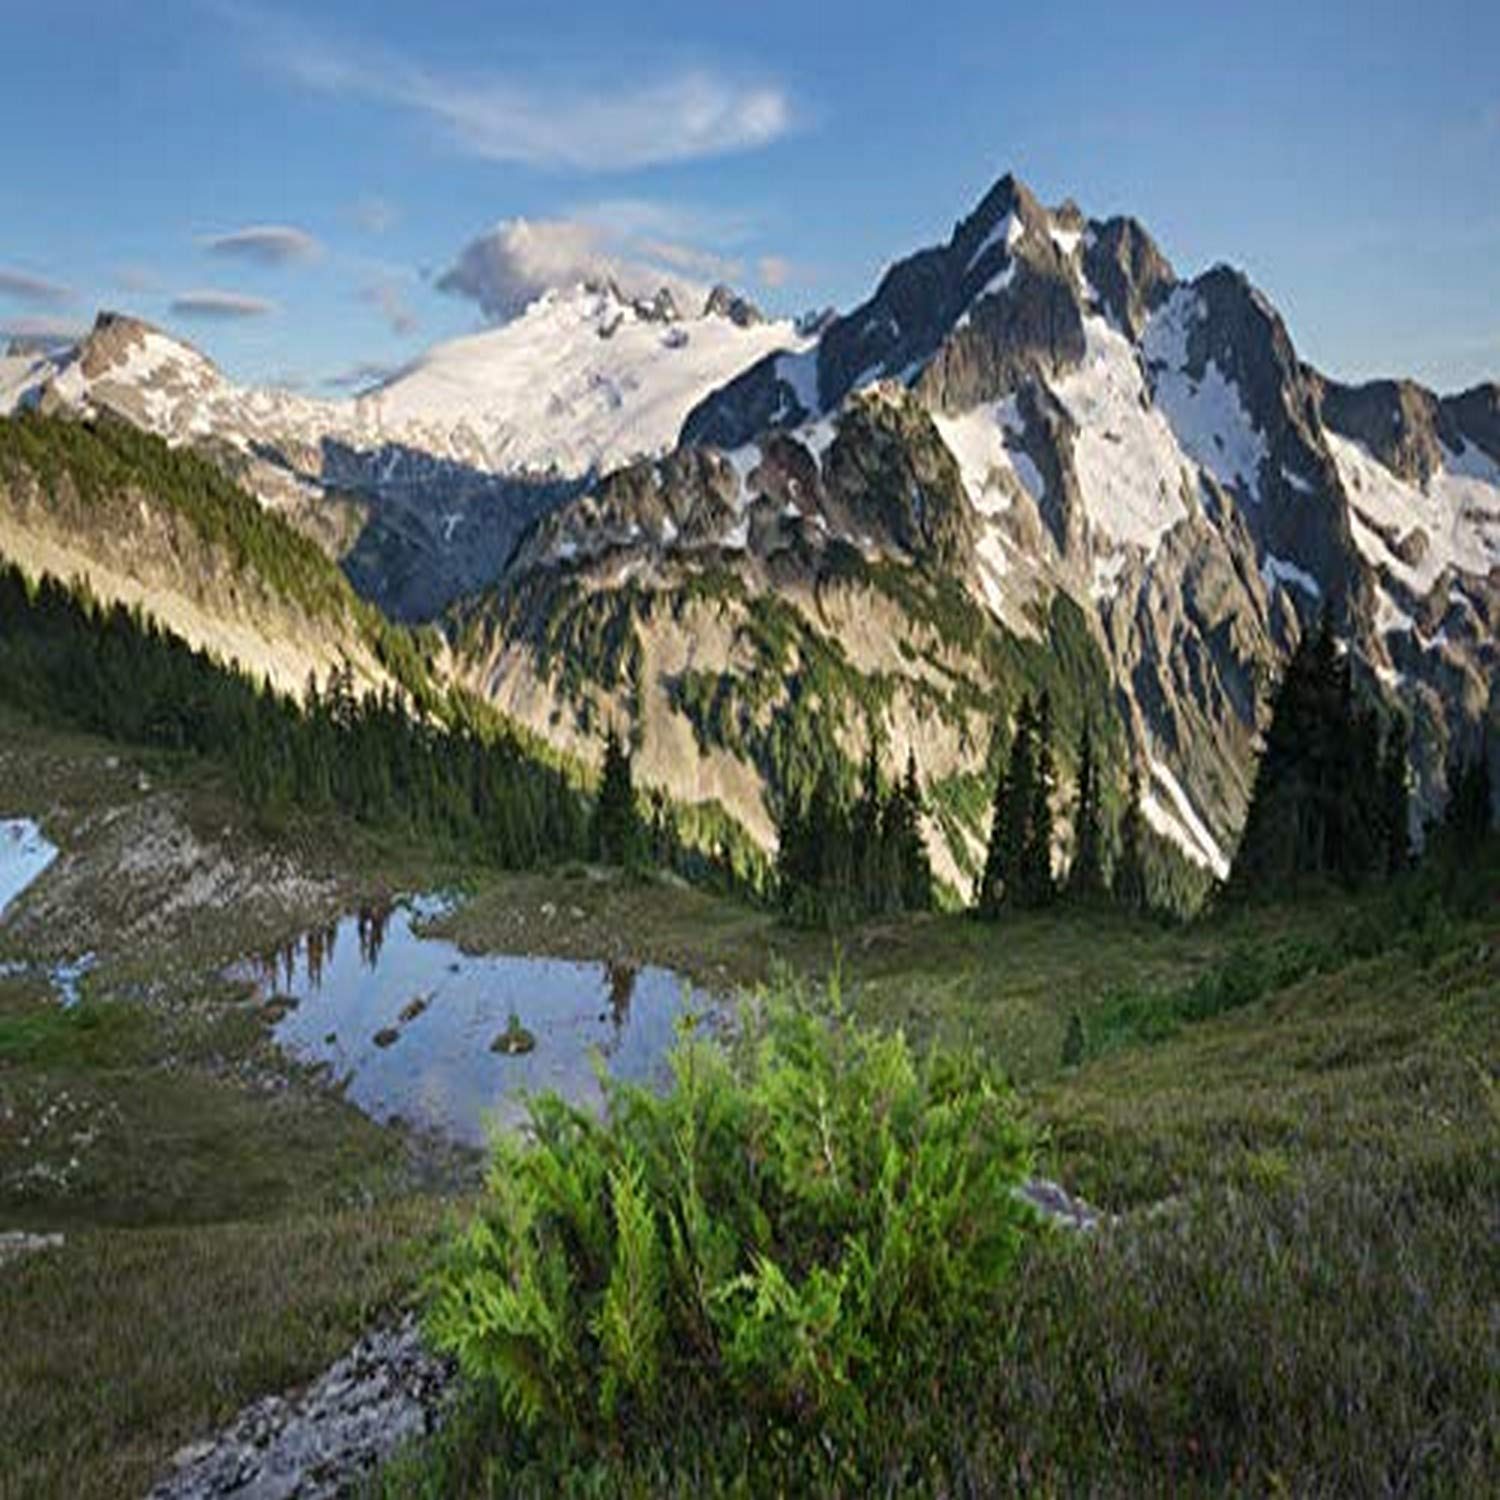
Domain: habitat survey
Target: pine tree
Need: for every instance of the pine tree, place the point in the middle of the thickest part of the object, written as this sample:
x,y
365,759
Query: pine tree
x,y
1005,863
916,867
1036,883
868,832
1395,798
616,822
1130,871
1468,815
1327,800
1086,875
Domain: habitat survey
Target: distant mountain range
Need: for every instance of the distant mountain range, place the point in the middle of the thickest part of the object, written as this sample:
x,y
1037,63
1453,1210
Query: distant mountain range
x,y
1034,458
450,458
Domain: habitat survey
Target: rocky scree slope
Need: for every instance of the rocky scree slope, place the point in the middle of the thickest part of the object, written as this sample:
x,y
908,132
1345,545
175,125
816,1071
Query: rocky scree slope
x,y
1033,457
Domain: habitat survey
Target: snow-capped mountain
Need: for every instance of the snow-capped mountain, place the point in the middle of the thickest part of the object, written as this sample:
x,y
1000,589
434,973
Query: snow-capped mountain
x,y
451,458
1038,410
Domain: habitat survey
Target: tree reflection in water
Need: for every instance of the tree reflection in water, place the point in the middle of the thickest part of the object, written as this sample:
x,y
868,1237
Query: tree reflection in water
x,y
621,979
372,925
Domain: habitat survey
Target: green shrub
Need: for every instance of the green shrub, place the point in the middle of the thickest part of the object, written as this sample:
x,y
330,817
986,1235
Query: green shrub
x,y
807,1223
1075,1043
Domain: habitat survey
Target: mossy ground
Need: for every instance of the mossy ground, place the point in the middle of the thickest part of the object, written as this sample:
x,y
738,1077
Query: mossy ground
x,y
1299,1296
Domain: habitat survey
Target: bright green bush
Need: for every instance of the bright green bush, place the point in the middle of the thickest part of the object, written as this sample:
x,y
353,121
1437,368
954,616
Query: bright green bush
x,y
810,1221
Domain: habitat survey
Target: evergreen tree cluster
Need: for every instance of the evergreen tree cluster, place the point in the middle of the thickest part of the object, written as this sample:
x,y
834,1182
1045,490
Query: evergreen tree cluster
x,y
66,658
1469,814
1018,862
1331,793
840,859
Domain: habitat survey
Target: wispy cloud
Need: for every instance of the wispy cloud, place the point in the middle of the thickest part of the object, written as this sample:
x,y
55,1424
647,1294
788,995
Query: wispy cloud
x,y
39,329
589,123
265,245
36,291
691,260
219,306
386,297
361,377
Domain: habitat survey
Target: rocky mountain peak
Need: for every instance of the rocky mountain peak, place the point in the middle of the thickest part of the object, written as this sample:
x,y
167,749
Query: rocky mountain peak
x,y
116,336
1009,198
1127,270
724,302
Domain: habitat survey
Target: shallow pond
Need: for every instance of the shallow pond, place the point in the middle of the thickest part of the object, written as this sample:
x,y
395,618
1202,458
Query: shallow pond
x,y
408,1024
24,854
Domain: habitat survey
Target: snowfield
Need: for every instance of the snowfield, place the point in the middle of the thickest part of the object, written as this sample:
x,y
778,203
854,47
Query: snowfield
x,y
1458,512
578,383
1206,416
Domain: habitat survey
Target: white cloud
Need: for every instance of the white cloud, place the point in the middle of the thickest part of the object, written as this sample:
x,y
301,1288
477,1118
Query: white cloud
x,y
519,259
218,305
265,245
20,286
385,296
672,119
599,122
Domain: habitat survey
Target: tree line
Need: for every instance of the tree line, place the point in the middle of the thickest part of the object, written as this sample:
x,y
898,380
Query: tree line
x,y
841,858
65,657
1331,797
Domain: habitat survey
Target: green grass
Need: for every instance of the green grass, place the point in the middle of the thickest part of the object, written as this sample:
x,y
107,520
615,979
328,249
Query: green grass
x,y
126,1344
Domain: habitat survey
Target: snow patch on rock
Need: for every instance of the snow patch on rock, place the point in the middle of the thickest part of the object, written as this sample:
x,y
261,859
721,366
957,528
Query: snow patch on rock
x,y
1206,415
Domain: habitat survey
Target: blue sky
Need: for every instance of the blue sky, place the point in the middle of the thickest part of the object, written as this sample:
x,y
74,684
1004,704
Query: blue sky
x,y
292,186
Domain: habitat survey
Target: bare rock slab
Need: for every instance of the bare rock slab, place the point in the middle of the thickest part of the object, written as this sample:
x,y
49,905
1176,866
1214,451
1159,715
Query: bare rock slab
x,y
384,1392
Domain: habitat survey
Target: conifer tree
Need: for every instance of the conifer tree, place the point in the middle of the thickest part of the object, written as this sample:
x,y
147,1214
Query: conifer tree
x,y
1468,814
617,824
1395,798
916,867
1327,799
868,832
1086,875
1130,871
1036,883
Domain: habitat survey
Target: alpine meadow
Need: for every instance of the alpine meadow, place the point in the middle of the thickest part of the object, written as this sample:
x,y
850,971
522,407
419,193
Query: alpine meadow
x,y
665,831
